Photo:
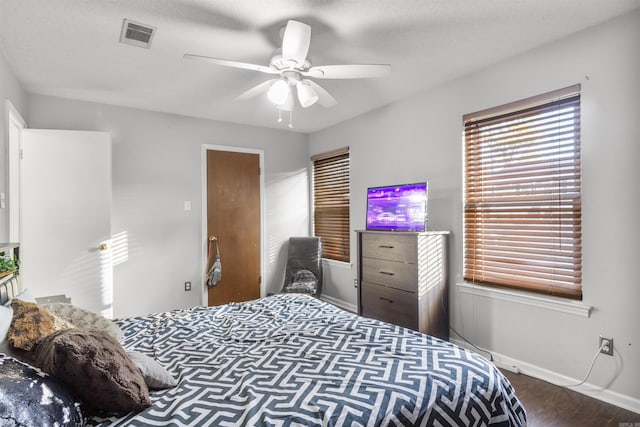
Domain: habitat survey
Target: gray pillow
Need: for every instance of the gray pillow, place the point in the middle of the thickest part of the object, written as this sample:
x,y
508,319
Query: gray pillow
x,y
84,319
155,376
303,281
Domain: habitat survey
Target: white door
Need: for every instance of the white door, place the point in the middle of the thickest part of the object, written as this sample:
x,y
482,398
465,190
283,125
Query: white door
x,y
66,216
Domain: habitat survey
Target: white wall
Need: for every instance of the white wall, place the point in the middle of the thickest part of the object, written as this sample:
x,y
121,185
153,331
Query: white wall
x,y
11,90
421,138
156,167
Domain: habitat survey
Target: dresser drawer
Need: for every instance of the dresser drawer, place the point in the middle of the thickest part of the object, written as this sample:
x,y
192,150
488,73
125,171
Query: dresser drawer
x,y
395,247
389,305
391,273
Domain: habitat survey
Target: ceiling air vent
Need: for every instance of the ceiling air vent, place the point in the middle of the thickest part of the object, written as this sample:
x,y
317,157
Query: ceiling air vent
x,y
136,34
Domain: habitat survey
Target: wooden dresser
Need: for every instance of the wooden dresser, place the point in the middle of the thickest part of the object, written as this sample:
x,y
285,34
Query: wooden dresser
x,y
403,279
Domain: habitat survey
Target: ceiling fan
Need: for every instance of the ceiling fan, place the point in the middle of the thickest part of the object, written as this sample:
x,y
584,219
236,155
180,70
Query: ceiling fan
x,y
294,70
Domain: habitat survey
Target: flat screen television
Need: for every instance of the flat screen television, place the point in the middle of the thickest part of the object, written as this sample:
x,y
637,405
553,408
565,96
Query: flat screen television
x,y
397,207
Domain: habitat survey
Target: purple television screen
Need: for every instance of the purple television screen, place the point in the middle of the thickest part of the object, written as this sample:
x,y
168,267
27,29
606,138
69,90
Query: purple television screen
x,y
397,207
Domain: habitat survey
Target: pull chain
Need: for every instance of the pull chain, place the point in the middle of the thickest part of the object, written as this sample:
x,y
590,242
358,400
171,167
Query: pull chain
x,y
290,125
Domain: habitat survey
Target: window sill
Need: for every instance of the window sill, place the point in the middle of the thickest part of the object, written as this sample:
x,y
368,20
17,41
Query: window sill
x,y
541,301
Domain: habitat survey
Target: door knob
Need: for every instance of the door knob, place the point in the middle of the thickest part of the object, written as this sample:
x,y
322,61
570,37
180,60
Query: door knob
x,y
103,247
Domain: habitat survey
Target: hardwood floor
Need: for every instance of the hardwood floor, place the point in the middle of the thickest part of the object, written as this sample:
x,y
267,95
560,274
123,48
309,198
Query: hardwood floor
x,y
548,405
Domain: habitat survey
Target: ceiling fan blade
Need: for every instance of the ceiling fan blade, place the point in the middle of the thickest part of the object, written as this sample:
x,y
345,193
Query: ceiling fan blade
x,y
362,71
234,64
324,98
256,90
295,42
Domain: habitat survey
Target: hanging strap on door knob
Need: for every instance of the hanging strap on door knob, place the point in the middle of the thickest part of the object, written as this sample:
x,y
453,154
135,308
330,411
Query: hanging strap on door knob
x,y
214,270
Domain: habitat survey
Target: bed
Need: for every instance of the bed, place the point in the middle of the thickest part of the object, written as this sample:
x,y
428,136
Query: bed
x,y
294,360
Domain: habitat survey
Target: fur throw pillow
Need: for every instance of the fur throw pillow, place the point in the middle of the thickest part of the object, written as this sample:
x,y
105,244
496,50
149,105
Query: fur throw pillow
x,y
96,368
30,323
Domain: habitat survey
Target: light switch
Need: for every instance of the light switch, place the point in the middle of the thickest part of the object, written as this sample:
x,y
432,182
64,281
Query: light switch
x,y
187,205
3,201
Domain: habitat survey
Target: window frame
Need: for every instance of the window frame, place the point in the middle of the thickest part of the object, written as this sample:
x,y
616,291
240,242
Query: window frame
x,y
336,237
486,195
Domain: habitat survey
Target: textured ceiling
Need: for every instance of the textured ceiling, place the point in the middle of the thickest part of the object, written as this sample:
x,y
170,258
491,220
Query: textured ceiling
x,y
71,49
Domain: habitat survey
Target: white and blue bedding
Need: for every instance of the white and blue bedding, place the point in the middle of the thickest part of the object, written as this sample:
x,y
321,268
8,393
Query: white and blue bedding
x,y
293,360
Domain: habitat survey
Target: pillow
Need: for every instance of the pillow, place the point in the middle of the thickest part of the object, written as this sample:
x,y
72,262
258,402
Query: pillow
x,y
29,397
96,368
25,295
29,324
303,281
82,318
21,355
6,314
155,376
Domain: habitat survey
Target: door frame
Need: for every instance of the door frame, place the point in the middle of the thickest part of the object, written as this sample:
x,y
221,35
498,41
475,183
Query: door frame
x,y
205,238
14,177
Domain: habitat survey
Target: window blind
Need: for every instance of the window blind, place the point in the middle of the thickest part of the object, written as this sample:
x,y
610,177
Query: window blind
x,y
331,195
522,213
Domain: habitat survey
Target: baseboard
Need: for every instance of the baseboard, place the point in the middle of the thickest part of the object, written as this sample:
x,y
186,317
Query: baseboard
x,y
339,303
591,390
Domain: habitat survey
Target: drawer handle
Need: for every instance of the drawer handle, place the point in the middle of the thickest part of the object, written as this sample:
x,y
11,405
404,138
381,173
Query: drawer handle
x,y
386,299
386,246
386,273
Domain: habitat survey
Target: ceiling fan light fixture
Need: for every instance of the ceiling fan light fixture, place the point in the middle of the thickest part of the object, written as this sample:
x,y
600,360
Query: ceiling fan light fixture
x,y
306,95
279,92
290,66
287,105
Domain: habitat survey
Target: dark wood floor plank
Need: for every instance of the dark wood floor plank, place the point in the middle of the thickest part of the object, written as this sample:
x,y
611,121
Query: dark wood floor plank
x,y
548,405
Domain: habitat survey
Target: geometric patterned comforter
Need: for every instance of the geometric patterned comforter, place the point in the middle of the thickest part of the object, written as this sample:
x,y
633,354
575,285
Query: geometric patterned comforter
x,y
294,360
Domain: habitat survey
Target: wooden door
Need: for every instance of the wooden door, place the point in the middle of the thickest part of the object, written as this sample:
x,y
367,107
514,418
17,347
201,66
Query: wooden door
x,y
233,216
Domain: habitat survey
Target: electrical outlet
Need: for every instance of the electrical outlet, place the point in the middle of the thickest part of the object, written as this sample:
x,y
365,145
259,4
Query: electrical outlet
x,y
187,286
355,283
606,346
